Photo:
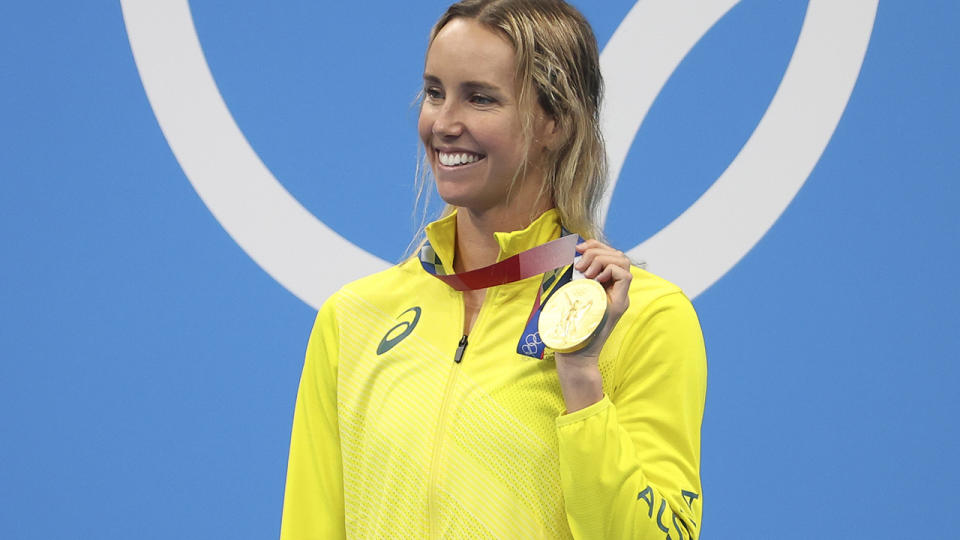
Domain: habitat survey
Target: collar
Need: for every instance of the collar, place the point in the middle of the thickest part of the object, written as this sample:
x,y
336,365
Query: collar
x,y
442,235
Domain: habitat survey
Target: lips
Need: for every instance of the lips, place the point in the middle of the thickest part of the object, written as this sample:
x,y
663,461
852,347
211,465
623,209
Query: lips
x,y
457,158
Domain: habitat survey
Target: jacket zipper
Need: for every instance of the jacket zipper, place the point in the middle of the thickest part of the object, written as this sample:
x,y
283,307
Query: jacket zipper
x,y
432,503
462,346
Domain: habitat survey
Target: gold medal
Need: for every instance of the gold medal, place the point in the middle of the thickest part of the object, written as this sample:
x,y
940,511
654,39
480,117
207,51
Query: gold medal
x,y
573,315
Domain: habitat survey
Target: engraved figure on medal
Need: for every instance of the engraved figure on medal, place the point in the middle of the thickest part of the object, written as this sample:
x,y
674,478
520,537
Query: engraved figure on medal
x,y
573,315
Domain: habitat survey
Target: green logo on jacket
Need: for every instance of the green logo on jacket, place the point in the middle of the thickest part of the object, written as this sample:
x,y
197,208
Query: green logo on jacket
x,y
389,342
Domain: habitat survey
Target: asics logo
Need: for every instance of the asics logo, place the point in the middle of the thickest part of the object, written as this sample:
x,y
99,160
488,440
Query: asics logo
x,y
407,327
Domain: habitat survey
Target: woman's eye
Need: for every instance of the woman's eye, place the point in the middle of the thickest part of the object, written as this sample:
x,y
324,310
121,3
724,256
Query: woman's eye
x,y
482,100
432,93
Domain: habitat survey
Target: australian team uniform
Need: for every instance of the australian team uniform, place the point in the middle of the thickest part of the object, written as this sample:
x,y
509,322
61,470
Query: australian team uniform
x,y
404,428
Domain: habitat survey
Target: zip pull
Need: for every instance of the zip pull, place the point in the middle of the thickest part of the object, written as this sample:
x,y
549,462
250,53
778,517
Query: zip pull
x,y
458,357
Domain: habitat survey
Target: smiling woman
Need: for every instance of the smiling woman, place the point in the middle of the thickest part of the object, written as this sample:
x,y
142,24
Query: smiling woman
x,y
473,129
429,406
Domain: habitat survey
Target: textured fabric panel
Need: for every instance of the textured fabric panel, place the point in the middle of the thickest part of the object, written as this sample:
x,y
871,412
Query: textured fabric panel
x,y
520,456
385,432
459,522
430,447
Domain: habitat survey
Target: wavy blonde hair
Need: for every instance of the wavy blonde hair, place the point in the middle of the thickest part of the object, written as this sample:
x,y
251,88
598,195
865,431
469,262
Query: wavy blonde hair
x,y
558,65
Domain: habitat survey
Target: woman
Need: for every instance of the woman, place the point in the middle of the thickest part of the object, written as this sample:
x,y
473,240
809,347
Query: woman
x,y
425,411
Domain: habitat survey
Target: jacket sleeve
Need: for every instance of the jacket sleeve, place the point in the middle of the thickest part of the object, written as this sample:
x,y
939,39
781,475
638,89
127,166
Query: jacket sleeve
x,y
313,499
629,464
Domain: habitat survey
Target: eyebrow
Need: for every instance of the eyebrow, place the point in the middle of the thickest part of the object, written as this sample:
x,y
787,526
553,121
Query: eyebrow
x,y
466,85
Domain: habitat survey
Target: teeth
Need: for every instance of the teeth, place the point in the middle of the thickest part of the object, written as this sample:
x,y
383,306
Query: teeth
x,y
452,160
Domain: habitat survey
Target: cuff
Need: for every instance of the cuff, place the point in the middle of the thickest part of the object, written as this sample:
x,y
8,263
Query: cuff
x,y
584,413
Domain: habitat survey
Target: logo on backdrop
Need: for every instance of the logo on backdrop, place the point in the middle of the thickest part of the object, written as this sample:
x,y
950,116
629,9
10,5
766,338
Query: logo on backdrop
x,y
694,251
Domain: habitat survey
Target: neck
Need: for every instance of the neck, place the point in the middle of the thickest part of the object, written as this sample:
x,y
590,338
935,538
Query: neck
x,y
476,245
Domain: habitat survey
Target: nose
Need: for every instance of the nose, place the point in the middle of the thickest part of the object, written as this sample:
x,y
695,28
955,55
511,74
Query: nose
x,y
448,124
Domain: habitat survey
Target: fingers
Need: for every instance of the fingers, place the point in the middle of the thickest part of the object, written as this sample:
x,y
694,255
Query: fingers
x,y
615,273
611,268
600,266
597,259
618,288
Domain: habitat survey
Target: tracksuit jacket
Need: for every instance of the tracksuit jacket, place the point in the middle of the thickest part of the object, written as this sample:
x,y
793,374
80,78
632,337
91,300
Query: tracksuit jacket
x,y
404,428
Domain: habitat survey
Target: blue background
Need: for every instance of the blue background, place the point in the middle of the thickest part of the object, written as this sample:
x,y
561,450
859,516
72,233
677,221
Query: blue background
x,y
148,367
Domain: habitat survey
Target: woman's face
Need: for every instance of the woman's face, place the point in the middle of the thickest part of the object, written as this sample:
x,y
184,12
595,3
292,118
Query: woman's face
x,y
470,119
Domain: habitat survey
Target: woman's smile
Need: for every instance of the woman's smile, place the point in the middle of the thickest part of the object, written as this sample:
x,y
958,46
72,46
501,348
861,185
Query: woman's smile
x,y
458,159
472,122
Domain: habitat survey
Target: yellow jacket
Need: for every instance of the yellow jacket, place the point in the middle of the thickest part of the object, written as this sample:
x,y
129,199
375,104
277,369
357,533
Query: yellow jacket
x,y
394,439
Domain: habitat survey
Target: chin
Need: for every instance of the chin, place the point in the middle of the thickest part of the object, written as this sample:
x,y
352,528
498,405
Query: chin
x,y
453,193
460,199
454,199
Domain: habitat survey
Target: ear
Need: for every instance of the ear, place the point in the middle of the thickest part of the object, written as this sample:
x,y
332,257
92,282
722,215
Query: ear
x,y
549,132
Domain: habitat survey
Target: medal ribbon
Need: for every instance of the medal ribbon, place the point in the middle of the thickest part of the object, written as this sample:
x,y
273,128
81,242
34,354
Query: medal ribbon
x,y
543,258
552,259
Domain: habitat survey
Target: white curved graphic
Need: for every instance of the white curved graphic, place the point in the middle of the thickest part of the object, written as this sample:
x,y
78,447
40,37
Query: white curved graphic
x,y
282,236
711,236
651,41
695,250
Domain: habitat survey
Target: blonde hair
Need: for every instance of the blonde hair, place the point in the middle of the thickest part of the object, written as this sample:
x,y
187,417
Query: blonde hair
x,y
558,64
